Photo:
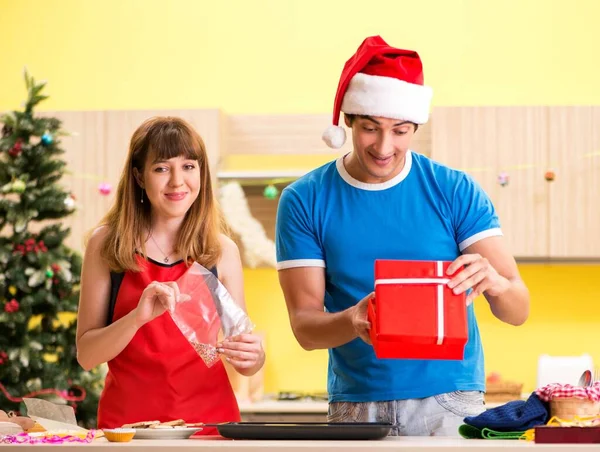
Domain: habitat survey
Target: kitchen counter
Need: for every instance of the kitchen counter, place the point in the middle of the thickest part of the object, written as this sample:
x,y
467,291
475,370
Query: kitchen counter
x,y
420,444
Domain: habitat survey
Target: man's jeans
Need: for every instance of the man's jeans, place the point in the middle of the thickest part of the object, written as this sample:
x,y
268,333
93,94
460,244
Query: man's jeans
x,y
440,415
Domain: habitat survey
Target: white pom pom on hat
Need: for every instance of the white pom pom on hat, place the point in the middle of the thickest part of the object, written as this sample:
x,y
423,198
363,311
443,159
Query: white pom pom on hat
x,y
334,136
379,80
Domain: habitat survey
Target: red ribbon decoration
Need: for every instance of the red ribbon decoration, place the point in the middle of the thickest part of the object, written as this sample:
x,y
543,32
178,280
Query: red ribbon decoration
x,y
61,394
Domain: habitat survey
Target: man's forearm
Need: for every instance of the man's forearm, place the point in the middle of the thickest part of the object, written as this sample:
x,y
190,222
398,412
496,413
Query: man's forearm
x,y
320,330
513,305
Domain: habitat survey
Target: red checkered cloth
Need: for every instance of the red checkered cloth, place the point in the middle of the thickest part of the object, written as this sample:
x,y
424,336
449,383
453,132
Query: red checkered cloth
x,y
560,391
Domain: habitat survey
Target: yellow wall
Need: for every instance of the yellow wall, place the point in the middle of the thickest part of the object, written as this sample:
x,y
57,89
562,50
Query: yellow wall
x,y
564,320
285,56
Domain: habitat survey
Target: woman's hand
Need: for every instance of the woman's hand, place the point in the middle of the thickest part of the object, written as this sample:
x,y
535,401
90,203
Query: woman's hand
x,y
244,352
156,299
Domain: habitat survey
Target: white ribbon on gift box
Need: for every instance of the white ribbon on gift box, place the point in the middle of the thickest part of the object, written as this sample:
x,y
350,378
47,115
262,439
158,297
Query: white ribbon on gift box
x,y
440,293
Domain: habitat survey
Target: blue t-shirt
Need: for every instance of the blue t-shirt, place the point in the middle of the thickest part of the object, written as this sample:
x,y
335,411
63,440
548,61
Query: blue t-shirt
x,y
427,212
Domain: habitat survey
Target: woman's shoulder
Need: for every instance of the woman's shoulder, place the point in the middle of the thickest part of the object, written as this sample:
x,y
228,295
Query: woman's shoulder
x,y
228,245
97,237
94,261
230,260
94,249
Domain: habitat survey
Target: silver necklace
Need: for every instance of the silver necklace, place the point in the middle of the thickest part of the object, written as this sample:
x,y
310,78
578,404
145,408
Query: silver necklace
x,y
166,259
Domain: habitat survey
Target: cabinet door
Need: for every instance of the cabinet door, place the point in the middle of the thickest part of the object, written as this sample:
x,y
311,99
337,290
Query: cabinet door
x,y
486,141
522,204
574,196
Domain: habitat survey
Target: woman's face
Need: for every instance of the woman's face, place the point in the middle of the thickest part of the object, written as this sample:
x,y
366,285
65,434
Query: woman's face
x,y
171,186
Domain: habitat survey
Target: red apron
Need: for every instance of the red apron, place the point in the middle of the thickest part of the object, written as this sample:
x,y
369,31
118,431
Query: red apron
x,y
159,376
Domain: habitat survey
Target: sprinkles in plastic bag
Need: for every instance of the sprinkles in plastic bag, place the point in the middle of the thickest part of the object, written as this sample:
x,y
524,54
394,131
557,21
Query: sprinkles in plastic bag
x,y
209,311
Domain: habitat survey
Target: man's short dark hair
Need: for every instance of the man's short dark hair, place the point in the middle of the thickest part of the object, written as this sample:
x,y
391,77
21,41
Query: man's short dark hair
x,y
352,117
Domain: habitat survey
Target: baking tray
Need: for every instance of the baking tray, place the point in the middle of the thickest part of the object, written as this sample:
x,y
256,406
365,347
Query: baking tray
x,y
549,434
303,430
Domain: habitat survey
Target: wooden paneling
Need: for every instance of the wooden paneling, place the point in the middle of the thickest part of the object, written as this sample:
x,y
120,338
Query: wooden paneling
x,y
278,134
574,197
485,141
120,125
88,165
522,205
464,138
293,134
422,141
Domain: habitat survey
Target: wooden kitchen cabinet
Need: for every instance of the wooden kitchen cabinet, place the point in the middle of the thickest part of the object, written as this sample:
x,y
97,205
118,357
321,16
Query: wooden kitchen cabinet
x,y
574,196
486,141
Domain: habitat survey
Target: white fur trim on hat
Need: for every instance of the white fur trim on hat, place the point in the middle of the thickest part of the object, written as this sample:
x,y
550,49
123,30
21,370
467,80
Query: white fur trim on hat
x,y
388,97
334,136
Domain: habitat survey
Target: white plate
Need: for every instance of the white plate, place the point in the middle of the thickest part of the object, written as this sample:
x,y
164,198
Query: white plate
x,y
165,433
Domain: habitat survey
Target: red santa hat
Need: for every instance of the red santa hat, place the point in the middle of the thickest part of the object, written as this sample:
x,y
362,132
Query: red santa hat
x,y
379,80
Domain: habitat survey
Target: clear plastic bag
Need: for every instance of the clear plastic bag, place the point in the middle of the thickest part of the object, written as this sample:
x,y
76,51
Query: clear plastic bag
x,y
209,310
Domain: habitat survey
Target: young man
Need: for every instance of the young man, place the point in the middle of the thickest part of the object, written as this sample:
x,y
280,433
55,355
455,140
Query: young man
x,y
382,201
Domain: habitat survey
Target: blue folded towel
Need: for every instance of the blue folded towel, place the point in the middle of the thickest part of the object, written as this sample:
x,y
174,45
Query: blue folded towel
x,y
518,415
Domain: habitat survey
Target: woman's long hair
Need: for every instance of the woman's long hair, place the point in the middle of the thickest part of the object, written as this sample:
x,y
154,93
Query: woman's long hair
x,y
128,220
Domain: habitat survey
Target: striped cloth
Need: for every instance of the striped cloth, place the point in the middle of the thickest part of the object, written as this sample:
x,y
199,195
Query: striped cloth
x,y
561,391
469,432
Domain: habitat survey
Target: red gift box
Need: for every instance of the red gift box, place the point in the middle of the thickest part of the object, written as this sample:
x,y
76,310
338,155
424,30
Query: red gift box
x,y
414,314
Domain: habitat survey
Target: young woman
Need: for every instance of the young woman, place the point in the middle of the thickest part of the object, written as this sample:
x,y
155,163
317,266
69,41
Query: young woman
x,y
164,218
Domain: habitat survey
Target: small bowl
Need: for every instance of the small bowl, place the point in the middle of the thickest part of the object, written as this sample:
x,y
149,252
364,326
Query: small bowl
x,y
119,435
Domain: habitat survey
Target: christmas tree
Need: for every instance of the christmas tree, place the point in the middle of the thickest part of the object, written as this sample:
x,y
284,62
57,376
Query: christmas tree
x,y
39,275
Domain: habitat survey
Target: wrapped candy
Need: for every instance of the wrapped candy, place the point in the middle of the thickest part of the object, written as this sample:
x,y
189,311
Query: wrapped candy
x,y
209,311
